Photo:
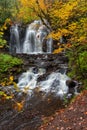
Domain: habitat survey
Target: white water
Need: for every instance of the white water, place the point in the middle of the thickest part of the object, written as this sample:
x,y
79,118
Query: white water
x,y
29,41
54,83
14,38
34,39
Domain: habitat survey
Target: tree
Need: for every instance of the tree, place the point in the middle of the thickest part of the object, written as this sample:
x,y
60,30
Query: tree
x,y
8,9
33,9
69,19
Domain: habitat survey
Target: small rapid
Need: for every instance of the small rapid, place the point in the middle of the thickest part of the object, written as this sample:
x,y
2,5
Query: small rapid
x,y
54,83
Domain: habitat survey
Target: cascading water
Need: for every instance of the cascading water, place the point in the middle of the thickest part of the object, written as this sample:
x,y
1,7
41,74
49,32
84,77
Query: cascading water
x,y
34,39
33,43
49,65
28,45
49,45
54,83
14,39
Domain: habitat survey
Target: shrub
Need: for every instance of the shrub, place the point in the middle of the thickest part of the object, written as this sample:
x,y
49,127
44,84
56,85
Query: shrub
x,y
78,62
7,62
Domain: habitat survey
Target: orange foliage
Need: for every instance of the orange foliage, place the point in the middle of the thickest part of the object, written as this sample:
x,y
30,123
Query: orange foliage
x,y
59,50
18,106
62,47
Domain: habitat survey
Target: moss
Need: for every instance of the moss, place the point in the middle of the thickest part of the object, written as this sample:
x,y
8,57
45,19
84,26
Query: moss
x,y
9,64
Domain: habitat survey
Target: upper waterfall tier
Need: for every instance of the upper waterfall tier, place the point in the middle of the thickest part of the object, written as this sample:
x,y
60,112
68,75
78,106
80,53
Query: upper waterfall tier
x,y
34,40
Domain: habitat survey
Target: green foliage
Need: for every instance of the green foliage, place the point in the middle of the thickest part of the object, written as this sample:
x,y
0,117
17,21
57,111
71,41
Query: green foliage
x,y
7,62
78,62
3,94
83,61
2,41
8,9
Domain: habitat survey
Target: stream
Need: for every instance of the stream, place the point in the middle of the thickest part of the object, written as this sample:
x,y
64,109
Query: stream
x,y
42,86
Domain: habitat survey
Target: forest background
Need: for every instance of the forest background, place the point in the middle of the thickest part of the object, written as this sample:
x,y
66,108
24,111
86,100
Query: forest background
x,y
66,18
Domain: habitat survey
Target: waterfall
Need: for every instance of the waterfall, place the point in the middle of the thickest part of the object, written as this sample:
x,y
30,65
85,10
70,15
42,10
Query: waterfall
x,y
49,45
35,39
54,82
28,45
14,39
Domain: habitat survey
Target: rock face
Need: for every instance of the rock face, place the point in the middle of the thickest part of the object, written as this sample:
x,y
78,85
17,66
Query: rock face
x,y
48,61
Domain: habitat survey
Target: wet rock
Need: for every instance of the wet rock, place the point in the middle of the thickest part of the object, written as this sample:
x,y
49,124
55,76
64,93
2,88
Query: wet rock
x,y
51,62
73,86
71,83
35,70
43,77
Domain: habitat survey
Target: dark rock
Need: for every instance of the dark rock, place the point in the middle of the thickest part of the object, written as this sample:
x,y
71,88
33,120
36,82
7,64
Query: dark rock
x,y
63,39
51,62
62,70
71,83
73,86
35,70
44,45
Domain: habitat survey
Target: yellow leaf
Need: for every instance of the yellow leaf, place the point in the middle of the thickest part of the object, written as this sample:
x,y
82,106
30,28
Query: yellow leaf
x,y
3,84
58,50
9,97
15,86
11,78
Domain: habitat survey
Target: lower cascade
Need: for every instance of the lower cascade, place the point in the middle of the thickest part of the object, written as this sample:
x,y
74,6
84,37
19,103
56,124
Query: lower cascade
x,y
54,83
33,41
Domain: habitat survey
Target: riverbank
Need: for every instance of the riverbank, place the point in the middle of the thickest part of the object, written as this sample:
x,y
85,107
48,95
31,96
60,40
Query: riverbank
x,y
74,117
